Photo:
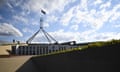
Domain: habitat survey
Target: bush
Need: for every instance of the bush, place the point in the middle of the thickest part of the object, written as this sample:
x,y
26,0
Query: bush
x,y
101,44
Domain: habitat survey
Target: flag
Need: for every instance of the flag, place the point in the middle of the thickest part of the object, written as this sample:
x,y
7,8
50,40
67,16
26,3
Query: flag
x,y
43,12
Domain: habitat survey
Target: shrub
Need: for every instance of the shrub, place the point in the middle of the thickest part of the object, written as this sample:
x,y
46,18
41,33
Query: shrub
x,y
101,44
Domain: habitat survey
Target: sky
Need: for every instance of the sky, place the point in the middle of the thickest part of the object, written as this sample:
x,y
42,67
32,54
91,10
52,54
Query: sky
x,y
65,20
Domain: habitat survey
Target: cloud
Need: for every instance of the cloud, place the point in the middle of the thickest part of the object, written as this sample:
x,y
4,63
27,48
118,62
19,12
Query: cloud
x,y
91,17
115,16
20,18
8,29
116,25
115,13
51,18
27,30
62,36
92,35
46,25
59,35
97,2
106,5
14,3
83,4
105,36
74,27
49,6
85,36
9,5
34,22
65,19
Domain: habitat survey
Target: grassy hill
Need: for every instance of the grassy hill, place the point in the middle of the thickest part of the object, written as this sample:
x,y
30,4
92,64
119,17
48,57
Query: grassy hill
x,y
95,57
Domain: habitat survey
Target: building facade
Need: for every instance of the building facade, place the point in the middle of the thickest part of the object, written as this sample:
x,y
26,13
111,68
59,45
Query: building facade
x,y
39,49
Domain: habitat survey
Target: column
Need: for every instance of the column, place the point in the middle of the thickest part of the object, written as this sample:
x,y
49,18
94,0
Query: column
x,y
41,50
23,50
31,50
36,52
28,49
47,50
20,50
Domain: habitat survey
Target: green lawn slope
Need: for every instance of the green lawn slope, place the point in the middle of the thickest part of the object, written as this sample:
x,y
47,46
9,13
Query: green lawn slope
x,y
95,57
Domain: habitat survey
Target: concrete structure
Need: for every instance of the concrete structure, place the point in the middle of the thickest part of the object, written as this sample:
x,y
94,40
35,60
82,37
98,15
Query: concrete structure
x,y
4,49
39,49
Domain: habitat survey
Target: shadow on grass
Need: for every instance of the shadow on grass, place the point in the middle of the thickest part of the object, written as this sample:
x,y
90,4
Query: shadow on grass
x,y
28,66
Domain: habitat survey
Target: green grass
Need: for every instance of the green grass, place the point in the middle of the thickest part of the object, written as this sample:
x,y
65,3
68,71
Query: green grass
x,y
63,51
102,44
91,45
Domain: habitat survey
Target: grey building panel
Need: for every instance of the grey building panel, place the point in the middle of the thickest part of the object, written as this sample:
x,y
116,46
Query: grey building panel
x,y
39,49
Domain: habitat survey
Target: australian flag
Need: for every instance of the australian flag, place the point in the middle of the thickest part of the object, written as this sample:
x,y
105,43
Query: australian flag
x,y
43,11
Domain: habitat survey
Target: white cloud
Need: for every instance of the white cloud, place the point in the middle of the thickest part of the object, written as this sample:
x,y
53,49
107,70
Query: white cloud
x,y
50,6
8,29
106,5
14,3
9,5
51,18
83,4
92,18
62,36
75,27
116,25
114,13
97,2
105,36
35,22
20,18
46,25
65,19
83,16
116,7
85,36
92,35
115,16
27,30
59,35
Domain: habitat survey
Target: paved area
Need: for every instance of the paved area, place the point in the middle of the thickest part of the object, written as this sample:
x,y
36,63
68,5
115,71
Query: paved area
x,y
11,64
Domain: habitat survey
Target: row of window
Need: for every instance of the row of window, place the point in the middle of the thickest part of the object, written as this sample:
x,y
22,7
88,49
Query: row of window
x,y
36,50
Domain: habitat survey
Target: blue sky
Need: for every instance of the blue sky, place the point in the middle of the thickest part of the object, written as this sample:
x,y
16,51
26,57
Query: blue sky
x,y
66,20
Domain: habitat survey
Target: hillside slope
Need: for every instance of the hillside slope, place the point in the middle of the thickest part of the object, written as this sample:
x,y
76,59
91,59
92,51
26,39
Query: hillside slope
x,y
97,59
